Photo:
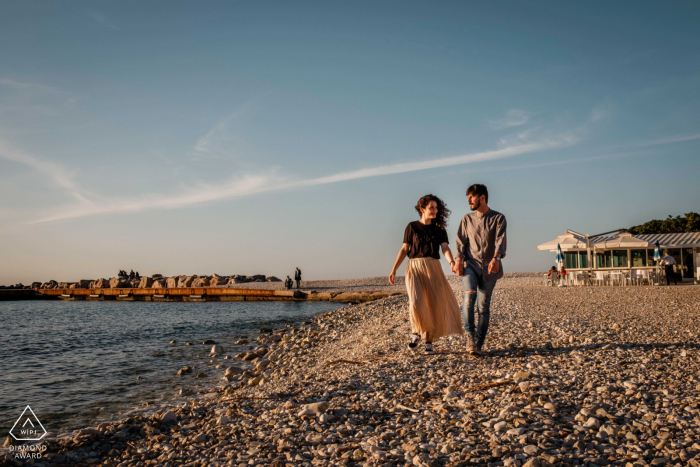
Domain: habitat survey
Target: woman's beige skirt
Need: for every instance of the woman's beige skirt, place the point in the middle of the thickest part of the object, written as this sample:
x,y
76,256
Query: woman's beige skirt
x,y
433,306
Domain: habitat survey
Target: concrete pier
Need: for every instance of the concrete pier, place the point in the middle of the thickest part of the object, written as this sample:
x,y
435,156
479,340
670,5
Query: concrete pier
x,y
190,294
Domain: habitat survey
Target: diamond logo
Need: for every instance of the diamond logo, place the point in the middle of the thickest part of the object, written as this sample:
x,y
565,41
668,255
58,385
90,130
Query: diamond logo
x,y
28,427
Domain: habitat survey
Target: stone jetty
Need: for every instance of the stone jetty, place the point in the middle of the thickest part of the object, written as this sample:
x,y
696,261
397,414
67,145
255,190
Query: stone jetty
x,y
575,376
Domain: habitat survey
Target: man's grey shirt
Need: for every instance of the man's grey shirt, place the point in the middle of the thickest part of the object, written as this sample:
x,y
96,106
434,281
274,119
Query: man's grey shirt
x,y
479,238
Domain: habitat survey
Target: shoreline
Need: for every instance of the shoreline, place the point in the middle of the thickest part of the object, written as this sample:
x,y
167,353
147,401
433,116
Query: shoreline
x,y
577,375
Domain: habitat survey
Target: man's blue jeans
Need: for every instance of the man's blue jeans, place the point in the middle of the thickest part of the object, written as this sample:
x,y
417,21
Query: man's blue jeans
x,y
473,281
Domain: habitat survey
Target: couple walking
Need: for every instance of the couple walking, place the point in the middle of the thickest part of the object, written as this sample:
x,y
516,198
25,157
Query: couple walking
x,y
481,244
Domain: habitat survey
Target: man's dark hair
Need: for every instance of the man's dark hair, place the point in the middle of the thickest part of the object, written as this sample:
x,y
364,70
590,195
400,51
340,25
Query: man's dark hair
x,y
478,189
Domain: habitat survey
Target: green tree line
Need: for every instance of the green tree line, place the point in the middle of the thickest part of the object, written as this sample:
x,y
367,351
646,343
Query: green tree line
x,y
678,224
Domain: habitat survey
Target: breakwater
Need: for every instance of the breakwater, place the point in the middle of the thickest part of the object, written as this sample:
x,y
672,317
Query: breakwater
x,y
190,294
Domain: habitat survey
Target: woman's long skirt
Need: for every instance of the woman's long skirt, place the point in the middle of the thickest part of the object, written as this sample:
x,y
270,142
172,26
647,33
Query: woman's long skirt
x,y
433,306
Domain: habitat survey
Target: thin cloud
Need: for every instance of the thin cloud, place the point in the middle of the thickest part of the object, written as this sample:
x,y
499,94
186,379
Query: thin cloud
x,y
670,139
100,18
512,118
266,183
218,141
60,176
10,83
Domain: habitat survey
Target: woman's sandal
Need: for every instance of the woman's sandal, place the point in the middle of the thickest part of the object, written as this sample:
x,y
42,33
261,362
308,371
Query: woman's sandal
x,y
415,339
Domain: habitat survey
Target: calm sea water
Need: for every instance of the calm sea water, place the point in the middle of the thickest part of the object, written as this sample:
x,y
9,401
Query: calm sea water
x,y
77,363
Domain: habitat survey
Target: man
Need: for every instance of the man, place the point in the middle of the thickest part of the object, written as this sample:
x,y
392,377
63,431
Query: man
x,y
481,244
297,277
288,283
668,267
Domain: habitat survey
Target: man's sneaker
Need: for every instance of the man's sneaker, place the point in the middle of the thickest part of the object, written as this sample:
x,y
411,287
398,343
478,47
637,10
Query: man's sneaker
x,y
415,339
471,345
429,348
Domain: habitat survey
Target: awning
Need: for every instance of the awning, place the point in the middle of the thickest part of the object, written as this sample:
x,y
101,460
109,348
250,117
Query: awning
x,y
567,242
623,240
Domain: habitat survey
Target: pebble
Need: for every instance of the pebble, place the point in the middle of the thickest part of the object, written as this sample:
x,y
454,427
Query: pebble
x,y
588,391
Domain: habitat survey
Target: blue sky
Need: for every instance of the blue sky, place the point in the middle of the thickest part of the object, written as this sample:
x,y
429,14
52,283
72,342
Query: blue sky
x,y
253,137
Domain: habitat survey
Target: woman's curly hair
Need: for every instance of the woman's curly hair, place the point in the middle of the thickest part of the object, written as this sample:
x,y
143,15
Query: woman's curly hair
x,y
443,213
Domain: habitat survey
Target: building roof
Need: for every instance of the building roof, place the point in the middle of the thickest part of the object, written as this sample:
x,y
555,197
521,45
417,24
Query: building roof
x,y
569,241
673,240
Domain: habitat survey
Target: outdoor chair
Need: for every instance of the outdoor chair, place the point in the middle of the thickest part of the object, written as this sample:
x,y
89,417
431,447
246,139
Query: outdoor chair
x,y
600,278
626,277
585,278
615,277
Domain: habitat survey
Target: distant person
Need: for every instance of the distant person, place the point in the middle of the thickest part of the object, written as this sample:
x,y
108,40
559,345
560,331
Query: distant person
x,y
137,275
433,307
481,245
297,277
552,275
288,283
669,262
131,274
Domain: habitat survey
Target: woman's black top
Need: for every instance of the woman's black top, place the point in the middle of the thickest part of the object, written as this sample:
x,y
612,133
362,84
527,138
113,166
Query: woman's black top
x,y
424,240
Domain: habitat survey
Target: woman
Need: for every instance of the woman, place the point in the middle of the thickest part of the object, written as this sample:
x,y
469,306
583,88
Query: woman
x,y
433,307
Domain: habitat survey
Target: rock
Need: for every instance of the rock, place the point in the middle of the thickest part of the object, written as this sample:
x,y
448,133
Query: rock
x,y
171,282
200,438
168,417
185,392
318,407
499,451
9,441
524,386
201,282
255,381
233,371
117,283
145,283
201,375
522,375
209,342
516,431
500,426
223,420
185,281
592,423
217,349
217,280
273,279
102,284
160,284
534,462
156,276
531,450
326,418
184,371
305,413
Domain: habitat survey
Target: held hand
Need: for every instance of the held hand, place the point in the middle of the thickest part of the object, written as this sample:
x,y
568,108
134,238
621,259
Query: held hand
x,y
494,266
392,277
460,269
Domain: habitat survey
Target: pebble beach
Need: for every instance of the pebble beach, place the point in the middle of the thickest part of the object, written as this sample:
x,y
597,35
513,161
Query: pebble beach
x,y
572,376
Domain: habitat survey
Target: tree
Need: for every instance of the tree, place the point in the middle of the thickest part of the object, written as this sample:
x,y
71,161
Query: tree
x,y
678,224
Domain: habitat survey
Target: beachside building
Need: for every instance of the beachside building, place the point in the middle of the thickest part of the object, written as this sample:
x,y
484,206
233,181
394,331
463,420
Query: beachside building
x,y
623,251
